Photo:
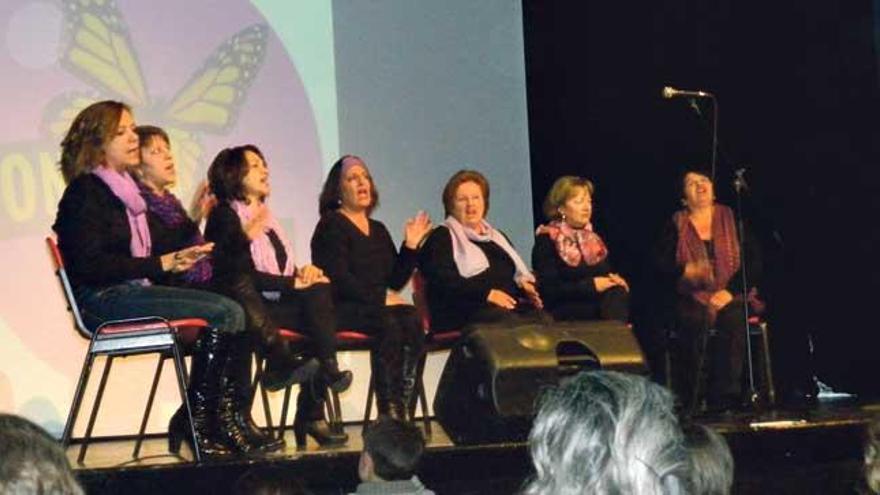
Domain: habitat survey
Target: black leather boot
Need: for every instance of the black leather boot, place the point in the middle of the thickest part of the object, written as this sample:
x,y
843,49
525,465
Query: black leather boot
x,y
238,399
309,419
388,403
208,364
338,380
409,369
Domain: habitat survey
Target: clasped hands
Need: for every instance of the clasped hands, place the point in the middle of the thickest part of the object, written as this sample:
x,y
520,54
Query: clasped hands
x,y
183,260
309,275
504,300
611,280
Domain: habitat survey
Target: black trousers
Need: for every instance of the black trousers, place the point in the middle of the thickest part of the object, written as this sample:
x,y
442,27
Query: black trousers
x,y
393,327
720,355
613,304
310,312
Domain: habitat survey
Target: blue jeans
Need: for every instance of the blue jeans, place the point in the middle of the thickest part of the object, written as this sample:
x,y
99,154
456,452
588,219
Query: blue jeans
x,y
131,300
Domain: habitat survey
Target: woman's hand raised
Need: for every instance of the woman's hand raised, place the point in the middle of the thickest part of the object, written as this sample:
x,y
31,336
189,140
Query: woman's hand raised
x,y
416,228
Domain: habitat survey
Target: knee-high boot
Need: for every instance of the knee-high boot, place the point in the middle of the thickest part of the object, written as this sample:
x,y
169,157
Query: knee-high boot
x,y
238,397
387,386
208,364
411,357
320,319
309,419
284,365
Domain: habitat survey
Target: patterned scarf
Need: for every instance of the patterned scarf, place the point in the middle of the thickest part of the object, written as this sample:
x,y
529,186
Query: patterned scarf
x,y
471,260
171,213
575,245
690,249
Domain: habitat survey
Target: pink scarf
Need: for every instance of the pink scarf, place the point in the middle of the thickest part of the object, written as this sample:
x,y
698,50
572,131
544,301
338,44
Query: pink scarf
x,y
471,260
126,189
262,251
725,243
575,245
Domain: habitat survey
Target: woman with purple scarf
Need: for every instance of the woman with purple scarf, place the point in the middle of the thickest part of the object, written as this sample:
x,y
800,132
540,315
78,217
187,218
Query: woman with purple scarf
x,y
571,260
473,273
700,253
254,263
116,269
172,227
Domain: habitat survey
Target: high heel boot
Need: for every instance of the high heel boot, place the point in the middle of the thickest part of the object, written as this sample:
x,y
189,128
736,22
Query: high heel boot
x,y
388,403
410,363
284,366
338,380
238,398
208,364
309,419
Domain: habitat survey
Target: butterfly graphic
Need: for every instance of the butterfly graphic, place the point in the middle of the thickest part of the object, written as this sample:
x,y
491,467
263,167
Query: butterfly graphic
x,y
98,49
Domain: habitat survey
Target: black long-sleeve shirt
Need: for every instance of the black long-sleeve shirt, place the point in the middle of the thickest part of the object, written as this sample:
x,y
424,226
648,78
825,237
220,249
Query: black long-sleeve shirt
x,y
559,282
95,237
452,299
361,267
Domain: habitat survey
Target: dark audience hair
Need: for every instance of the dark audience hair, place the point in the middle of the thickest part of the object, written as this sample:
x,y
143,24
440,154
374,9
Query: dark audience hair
x,y
331,193
269,481
227,171
711,461
395,447
31,461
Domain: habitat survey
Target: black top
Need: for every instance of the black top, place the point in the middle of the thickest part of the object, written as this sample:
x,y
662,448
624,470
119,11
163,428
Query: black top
x,y
166,239
559,282
361,267
452,299
232,254
95,238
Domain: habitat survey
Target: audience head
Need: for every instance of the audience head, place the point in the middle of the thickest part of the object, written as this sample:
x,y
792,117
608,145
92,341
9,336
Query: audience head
x,y
606,432
349,185
570,200
711,461
31,461
697,189
157,169
101,134
269,481
392,451
239,173
466,197
872,455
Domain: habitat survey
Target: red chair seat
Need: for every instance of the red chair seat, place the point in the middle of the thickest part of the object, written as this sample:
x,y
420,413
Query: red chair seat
x,y
190,324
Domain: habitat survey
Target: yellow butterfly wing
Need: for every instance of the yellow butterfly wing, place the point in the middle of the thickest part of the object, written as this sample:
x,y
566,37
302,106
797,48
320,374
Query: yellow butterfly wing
x,y
97,48
213,96
61,111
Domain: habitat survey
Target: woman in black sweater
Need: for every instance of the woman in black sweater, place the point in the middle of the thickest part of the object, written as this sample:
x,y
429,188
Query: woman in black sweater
x,y
571,261
115,269
358,254
472,272
254,264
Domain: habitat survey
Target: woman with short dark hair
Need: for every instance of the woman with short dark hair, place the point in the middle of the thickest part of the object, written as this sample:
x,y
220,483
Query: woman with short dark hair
x,y
254,263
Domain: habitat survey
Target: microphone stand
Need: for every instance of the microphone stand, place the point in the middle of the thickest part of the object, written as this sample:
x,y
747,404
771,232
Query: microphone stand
x,y
739,185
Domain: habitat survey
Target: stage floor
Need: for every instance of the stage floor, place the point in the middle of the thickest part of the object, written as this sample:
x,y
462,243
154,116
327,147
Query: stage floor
x,y
809,449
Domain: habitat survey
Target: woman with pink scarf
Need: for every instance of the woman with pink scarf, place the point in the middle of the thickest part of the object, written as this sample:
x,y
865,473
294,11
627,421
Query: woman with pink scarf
x,y
116,269
700,252
255,264
472,271
571,260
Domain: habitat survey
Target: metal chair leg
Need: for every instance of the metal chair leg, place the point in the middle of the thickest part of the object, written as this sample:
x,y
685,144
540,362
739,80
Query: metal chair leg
x,y
150,397
182,381
371,397
768,368
94,414
77,398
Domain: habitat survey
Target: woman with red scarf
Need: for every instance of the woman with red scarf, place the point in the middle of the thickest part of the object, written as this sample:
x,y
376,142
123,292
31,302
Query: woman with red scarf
x,y
700,251
571,261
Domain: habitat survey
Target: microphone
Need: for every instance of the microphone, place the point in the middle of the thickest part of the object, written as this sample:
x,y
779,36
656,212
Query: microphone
x,y
739,180
670,92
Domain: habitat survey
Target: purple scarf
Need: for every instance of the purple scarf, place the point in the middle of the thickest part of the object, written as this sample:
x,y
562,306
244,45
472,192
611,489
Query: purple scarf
x,y
126,189
471,260
171,213
575,245
262,251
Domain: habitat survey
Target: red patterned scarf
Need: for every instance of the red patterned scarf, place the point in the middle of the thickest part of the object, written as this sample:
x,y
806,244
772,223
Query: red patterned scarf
x,y
690,249
575,245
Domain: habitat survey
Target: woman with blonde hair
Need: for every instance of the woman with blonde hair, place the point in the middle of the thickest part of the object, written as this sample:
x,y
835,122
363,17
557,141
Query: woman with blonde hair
x,y
571,260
